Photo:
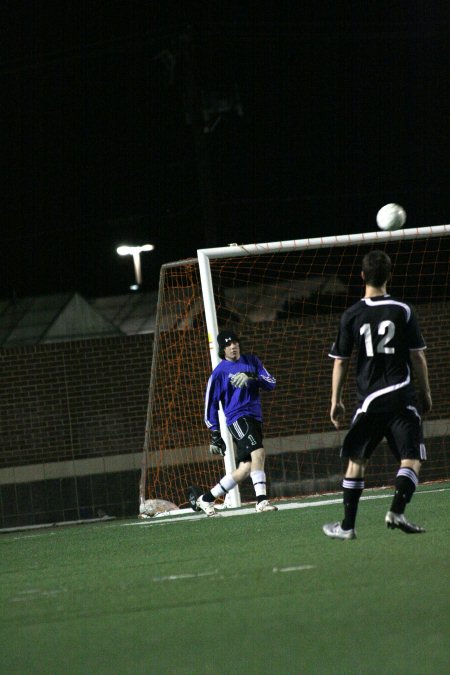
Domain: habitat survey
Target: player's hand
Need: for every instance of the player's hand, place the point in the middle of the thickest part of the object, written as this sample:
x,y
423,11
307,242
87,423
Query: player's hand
x,y
240,380
337,414
217,446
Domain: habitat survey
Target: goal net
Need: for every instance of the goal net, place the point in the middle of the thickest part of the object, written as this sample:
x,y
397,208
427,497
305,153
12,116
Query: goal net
x,y
284,300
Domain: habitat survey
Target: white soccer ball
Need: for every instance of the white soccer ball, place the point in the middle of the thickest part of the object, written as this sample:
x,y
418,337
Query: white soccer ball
x,y
391,217
153,507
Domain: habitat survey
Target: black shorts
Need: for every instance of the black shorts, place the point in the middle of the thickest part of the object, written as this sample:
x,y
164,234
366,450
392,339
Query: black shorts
x,y
401,428
247,435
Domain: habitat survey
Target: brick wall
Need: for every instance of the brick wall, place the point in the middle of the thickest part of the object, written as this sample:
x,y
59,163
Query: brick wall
x,y
62,403
74,399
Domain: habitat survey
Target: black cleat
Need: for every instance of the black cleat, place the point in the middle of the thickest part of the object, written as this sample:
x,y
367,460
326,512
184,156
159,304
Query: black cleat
x,y
398,520
193,493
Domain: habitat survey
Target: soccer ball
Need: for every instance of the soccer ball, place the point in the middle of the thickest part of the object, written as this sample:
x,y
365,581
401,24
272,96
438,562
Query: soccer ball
x,y
391,217
154,507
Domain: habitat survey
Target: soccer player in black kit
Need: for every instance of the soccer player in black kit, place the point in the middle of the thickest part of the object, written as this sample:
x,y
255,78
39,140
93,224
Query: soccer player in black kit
x,y
390,350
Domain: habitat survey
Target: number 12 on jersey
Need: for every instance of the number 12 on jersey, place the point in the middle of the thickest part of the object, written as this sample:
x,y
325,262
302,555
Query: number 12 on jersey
x,y
386,329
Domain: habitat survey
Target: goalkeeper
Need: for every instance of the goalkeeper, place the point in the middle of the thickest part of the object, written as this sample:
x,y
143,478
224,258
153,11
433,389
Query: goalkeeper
x,y
236,383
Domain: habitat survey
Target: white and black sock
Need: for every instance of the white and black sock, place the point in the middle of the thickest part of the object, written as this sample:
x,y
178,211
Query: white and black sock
x,y
352,491
259,483
406,482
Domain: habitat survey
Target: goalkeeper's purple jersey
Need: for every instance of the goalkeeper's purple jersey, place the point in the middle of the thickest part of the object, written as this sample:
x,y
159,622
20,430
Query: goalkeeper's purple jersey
x,y
236,402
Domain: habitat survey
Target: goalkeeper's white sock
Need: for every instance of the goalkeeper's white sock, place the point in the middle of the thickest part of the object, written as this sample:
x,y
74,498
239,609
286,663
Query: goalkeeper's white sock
x,y
225,484
259,483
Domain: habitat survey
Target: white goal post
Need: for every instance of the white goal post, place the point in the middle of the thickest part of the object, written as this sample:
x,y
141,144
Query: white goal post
x,y
234,250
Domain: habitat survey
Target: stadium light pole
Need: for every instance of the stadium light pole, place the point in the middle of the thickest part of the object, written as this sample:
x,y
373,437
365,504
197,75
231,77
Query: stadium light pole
x,y
135,251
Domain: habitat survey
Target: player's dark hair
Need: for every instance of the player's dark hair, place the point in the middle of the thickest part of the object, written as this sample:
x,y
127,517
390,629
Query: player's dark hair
x,y
376,266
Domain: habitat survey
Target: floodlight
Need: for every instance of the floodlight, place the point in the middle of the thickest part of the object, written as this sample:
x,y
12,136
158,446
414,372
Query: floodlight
x,y
135,251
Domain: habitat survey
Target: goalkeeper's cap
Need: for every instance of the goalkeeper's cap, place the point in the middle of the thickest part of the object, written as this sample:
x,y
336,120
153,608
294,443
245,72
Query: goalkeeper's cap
x,y
225,338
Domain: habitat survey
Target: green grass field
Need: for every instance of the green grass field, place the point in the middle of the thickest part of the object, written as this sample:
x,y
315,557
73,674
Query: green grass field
x,y
251,594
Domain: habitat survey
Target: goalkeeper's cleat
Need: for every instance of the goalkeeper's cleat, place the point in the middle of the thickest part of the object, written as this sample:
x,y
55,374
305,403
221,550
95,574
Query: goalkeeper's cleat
x,y
265,505
193,493
335,531
398,520
206,507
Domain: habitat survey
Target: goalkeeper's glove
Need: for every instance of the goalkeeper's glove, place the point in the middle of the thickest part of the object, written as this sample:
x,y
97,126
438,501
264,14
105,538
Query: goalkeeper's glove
x,y
217,446
240,380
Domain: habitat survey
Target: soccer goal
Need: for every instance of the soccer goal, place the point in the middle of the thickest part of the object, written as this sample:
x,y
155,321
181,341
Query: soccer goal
x,y
284,300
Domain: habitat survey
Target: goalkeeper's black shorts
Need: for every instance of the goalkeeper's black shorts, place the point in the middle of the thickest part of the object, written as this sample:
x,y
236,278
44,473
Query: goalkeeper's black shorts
x,y
247,435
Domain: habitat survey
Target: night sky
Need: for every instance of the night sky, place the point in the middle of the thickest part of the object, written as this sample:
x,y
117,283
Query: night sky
x,y
148,122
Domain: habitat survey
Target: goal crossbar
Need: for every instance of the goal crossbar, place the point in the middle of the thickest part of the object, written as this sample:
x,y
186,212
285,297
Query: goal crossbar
x,y
237,250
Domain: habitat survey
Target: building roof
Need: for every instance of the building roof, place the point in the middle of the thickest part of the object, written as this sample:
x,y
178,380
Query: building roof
x,y
51,318
69,316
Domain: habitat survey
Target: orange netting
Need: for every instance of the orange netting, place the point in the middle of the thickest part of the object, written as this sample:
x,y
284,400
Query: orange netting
x,y
285,306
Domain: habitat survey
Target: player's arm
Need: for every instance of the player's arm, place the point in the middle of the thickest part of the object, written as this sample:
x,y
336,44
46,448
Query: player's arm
x,y
420,369
217,445
340,352
265,379
212,397
337,411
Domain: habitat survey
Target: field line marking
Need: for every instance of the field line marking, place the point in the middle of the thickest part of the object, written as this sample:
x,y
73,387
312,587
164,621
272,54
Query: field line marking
x,y
176,577
176,517
29,536
295,568
197,575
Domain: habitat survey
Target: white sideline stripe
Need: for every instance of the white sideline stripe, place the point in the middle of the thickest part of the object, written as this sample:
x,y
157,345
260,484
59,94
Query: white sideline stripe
x,y
175,577
298,568
178,515
133,461
182,577
37,594
27,536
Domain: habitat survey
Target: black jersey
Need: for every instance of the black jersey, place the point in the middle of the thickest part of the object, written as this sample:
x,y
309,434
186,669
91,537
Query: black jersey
x,y
383,331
